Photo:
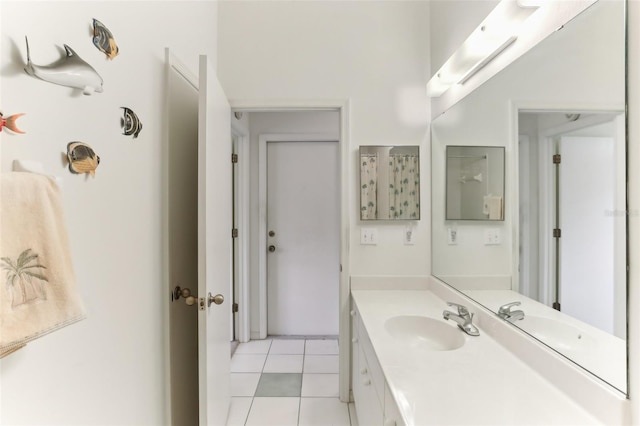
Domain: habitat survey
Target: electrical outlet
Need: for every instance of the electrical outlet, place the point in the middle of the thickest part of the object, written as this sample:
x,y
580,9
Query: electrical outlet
x,y
368,236
409,235
492,237
452,236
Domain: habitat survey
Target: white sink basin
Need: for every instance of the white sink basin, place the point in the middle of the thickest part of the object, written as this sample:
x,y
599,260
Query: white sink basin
x,y
557,334
419,332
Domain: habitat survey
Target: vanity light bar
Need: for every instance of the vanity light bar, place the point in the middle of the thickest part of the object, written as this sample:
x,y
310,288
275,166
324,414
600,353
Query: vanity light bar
x,y
478,66
497,32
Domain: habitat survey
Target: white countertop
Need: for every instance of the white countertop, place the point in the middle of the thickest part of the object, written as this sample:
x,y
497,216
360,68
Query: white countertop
x,y
599,352
480,383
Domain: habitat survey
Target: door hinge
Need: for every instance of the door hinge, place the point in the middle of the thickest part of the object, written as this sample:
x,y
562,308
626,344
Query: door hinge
x,y
234,158
234,233
557,233
234,308
557,158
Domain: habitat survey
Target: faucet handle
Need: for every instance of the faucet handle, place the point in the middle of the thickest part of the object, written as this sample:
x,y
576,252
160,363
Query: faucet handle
x,y
462,310
506,308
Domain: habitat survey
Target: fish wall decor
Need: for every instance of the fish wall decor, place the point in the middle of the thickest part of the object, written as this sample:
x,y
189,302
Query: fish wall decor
x,y
10,122
82,158
71,71
103,40
130,123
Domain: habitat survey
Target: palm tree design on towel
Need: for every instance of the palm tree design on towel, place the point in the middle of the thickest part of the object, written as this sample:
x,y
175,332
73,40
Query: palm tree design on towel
x,y
25,280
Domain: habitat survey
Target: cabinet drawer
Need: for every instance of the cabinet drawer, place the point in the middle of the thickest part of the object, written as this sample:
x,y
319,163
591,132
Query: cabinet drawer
x,y
355,354
368,404
373,366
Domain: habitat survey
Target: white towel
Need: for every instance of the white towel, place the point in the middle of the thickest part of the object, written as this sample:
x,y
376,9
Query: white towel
x,y
492,207
37,283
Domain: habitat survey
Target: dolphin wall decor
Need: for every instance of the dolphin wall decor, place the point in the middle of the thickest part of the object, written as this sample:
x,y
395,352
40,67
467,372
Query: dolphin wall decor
x,y
71,71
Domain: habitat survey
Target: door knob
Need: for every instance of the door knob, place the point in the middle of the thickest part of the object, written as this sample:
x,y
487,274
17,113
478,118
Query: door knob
x,y
185,293
272,248
217,299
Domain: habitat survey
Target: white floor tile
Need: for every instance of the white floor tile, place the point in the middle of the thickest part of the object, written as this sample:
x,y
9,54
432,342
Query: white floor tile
x,y
244,384
321,347
254,347
352,414
323,412
247,363
274,412
238,411
320,385
321,364
289,347
283,364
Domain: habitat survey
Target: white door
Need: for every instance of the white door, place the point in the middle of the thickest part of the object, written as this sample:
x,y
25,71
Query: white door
x,y
182,241
586,203
214,247
303,222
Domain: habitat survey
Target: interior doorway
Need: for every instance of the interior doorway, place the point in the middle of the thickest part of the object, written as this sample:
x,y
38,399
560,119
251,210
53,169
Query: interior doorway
x,y
312,117
571,214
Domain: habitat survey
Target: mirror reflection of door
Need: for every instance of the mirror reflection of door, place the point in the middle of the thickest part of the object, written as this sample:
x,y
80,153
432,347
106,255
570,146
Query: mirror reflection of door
x,y
580,268
303,219
586,243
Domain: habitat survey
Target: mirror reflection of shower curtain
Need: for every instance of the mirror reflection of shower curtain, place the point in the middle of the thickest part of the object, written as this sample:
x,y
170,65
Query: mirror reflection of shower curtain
x,y
369,186
404,186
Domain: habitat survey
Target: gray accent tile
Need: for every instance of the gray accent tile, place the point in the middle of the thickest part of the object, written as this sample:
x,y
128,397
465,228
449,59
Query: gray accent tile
x,y
279,384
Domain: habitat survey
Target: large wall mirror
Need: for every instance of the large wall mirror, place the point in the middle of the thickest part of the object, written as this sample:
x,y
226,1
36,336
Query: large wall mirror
x,y
389,182
557,265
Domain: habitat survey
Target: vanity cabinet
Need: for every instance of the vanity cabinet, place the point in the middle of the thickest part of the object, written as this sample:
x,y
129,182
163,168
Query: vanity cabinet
x,y
374,402
392,416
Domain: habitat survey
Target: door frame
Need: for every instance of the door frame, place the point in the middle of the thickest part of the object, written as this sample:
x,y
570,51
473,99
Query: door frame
x,y
243,200
263,140
343,108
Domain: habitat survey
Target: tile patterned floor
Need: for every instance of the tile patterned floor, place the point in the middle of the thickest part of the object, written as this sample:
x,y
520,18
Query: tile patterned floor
x,y
287,382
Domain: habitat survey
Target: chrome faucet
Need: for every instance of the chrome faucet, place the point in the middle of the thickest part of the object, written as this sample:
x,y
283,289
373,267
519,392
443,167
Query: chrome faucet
x,y
507,314
462,318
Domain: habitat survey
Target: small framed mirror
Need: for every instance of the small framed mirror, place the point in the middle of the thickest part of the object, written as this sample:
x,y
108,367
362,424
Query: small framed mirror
x,y
389,182
475,183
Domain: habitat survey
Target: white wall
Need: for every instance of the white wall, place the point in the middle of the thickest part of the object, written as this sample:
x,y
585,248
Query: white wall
x,y
109,368
372,53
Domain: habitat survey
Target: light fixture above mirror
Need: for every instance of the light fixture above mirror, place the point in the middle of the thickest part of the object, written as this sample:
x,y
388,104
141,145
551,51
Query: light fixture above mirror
x,y
497,32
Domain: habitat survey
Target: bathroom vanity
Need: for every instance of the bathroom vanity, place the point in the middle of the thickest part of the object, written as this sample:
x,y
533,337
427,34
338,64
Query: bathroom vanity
x,y
411,367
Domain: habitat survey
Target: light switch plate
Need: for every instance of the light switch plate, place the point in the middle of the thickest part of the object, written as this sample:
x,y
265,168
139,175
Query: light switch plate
x,y
369,236
492,237
452,236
